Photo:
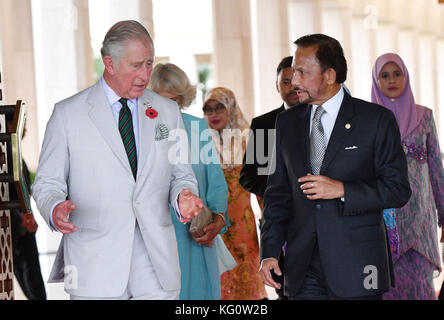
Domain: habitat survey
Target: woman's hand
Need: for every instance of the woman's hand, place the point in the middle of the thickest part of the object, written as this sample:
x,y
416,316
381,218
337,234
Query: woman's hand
x,y
211,231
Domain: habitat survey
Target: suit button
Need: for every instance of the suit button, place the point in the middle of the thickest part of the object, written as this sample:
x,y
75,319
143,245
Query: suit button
x,y
318,206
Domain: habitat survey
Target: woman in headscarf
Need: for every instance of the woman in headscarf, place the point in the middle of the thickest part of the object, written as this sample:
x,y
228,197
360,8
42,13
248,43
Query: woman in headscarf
x,y
416,257
229,132
199,256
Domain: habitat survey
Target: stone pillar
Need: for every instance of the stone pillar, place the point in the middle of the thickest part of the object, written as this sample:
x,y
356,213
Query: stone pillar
x,y
360,65
336,21
271,43
429,34
82,39
64,58
64,66
146,15
232,59
304,18
19,69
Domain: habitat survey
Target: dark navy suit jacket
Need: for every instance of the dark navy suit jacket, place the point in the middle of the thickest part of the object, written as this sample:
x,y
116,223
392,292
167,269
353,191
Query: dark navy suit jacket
x,y
365,153
249,178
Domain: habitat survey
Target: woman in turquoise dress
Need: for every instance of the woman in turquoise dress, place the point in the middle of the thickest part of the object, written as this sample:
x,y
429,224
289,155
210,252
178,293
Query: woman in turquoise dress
x,y
199,260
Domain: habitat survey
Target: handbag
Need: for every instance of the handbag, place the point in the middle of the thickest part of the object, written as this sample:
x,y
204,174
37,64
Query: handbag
x,y
197,224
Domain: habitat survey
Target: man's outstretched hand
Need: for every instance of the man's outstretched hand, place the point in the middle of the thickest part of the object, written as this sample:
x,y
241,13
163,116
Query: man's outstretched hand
x,y
189,205
60,216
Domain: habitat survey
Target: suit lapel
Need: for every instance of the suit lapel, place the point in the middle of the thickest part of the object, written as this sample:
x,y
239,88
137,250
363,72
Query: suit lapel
x,y
102,117
146,128
343,128
303,132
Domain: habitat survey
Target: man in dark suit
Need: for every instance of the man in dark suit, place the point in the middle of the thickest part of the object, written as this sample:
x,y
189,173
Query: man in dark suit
x,y
261,143
336,169
253,175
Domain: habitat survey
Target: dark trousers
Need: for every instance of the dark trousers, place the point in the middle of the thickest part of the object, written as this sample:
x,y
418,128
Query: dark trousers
x,y
315,286
26,259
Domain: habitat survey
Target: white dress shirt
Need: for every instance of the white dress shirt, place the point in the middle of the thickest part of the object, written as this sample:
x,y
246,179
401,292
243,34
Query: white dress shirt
x,y
113,100
331,106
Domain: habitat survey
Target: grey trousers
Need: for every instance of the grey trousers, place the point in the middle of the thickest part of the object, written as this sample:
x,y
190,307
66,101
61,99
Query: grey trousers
x,y
142,283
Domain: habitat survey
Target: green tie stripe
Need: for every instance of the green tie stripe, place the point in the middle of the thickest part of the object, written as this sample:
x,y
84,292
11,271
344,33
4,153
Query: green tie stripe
x,y
127,134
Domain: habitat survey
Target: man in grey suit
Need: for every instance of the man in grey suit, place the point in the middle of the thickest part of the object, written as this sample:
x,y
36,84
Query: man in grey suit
x,y
105,180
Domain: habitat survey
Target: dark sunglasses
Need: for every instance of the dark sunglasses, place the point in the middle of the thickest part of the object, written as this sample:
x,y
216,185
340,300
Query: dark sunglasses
x,y
219,108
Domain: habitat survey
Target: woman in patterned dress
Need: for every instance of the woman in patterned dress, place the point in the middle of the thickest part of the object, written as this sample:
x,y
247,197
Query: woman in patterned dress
x,y
417,257
229,133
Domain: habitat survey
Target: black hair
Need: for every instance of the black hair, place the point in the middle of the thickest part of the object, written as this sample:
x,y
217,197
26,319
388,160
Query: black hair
x,y
329,53
285,63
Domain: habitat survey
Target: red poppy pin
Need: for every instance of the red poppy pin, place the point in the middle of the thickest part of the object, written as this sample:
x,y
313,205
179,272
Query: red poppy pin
x,y
150,112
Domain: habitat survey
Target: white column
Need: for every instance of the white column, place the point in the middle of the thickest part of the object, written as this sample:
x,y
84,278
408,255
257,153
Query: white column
x,y
232,59
271,44
63,61
437,27
336,20
18,74
304,18
84,53
62,52
146,15
360,62
427,75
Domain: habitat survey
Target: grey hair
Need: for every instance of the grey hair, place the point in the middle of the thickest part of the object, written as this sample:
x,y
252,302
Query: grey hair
x,y
114,43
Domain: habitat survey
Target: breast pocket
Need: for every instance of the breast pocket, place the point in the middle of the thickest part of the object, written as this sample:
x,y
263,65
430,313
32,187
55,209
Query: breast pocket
x,y
355,150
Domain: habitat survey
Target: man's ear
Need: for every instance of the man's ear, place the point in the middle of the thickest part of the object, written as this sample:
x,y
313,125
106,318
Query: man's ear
x,y
277,87
330,76
109,65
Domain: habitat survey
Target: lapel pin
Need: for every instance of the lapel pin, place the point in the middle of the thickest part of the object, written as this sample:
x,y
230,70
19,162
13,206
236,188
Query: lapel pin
x,y
150,112
348,126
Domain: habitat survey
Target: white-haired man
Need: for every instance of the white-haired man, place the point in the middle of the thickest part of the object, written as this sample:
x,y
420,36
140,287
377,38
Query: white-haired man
x,y
104,180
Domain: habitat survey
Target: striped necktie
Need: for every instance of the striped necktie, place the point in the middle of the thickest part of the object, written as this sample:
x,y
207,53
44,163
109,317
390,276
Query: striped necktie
x,y
127,133
317,142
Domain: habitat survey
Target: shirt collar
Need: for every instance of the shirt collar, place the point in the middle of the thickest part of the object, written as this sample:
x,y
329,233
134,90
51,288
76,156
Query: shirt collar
x,y
332,105
111,95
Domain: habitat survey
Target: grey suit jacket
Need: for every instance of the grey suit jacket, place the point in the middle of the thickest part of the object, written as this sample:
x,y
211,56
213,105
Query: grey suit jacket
x,y
83,159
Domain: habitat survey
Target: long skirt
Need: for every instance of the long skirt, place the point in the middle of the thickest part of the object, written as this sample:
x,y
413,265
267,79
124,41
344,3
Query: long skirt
x,y
413,278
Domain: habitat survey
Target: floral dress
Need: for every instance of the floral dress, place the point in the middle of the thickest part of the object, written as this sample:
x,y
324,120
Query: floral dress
x,y
243,282
417,222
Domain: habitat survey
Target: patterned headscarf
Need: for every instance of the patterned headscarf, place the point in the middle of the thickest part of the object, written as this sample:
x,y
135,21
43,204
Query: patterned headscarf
x,y
236,120
404,107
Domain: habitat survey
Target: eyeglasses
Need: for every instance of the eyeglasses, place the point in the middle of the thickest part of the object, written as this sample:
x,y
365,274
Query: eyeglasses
x,y
219,108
